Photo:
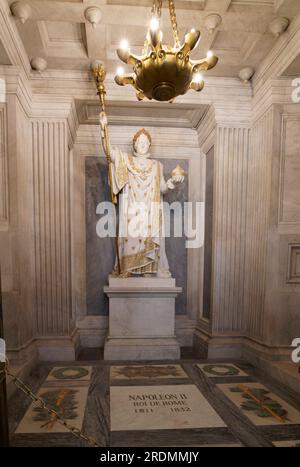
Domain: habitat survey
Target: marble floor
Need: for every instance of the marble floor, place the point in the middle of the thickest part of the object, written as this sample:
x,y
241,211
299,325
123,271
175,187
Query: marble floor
x,y
185,403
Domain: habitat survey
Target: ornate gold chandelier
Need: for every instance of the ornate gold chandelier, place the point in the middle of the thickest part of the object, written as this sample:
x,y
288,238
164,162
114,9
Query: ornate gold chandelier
x,y
164,72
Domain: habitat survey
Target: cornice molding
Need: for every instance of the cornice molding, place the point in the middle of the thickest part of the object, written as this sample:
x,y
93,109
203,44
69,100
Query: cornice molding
x,y
80,85
40,106
11,40
206,130
281,56
274,92
234,115
183,142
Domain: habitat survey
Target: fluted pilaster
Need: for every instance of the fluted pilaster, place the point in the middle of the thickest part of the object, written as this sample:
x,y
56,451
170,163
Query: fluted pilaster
x,y
52,227
3,167
258,206
231,165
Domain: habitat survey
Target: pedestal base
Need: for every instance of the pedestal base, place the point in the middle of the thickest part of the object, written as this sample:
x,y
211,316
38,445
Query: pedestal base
x,y
141,319
142,349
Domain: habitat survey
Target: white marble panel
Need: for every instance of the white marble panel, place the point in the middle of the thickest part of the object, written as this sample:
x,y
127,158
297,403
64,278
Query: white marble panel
x,y
160,408
290,171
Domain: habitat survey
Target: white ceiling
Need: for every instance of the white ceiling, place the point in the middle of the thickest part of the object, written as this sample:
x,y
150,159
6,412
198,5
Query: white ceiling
x,y
58,31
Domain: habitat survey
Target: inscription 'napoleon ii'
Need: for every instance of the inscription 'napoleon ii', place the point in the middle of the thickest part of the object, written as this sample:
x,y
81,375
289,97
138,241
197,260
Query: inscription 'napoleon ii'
x,y
158,397
144,403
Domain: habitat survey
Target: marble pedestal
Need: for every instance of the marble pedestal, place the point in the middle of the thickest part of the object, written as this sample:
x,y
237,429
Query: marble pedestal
x,y
141,319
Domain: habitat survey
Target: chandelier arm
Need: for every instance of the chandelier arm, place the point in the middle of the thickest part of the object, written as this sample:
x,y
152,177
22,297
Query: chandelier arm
x,y
146,47
199,65
197,86
128,79
155,40
191,40
133,59
205,64
140,95
174,23
127,57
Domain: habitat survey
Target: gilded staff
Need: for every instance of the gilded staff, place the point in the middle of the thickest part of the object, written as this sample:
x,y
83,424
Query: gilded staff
x,y
99,74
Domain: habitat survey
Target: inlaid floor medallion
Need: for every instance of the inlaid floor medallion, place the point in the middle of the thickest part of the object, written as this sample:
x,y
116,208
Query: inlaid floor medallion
x,y
218,370
147,372
69,403
70,373
260,405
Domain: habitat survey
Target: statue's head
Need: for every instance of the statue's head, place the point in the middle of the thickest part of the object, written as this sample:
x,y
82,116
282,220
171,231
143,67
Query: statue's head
x,y
142,142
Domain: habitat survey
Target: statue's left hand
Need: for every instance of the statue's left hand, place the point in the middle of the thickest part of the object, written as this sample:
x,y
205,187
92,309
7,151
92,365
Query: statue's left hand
x,y
172,182
178,179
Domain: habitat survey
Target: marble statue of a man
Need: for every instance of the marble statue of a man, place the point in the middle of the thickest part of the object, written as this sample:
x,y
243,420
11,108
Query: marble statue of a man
x,y
140,182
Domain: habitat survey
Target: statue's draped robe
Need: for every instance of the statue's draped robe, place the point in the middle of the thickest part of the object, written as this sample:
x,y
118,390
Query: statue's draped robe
x,y
141,221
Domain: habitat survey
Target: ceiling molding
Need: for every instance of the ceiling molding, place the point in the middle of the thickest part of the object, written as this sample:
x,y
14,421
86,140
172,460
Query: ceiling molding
x,y
137,114
11,41
280,57
274,92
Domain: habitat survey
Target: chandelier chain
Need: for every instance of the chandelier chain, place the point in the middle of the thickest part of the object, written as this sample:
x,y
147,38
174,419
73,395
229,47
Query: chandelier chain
x,y
156,8
174,22
155,11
